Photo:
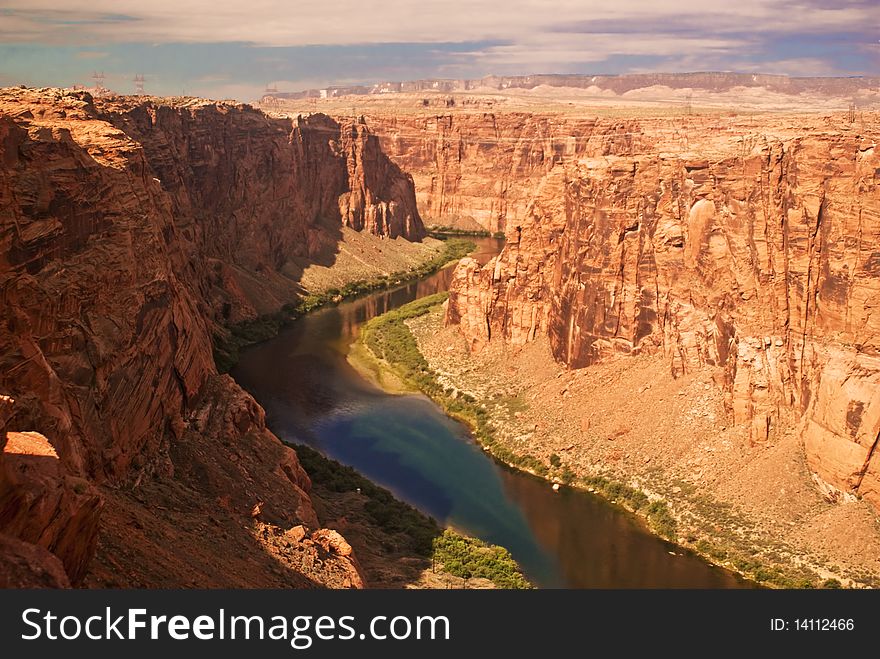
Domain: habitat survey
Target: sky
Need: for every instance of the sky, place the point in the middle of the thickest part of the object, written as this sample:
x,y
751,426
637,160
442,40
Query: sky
x,y
226,49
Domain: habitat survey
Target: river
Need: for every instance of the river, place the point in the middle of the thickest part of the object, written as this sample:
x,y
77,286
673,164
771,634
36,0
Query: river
x,y
565,539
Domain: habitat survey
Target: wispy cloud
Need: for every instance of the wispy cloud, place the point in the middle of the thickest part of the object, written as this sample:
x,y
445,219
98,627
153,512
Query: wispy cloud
x,y
215,45
278,23
212,77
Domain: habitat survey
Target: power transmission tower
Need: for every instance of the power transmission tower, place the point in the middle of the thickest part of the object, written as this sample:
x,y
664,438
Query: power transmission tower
x,y
99,82
139,84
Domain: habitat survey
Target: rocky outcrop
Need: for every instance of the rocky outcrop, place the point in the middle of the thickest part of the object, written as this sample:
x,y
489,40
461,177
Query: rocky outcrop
x,y
25,565
227,482
41,504
750,250
131,229
334,544
103,342
480,170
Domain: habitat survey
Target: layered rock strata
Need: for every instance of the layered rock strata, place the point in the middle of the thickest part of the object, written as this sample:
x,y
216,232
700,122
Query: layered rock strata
x,y
749,248
478,171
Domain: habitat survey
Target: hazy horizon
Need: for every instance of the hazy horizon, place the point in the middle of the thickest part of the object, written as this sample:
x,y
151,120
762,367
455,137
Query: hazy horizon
x,y
227,50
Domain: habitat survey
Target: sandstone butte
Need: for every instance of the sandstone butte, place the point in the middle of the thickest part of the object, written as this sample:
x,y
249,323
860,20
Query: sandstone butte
x,y
131,230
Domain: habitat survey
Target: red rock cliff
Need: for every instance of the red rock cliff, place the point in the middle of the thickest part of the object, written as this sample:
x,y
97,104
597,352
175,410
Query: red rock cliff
x,y
751,249
480,170
250,194
128,228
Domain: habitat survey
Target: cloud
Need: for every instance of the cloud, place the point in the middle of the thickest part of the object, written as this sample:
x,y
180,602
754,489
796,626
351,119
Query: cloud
x,y
536,54
212,77
801,66
226,47
277,23
92,54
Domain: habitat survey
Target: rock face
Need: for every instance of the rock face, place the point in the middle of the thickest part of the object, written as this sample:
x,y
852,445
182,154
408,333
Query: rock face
x,y
130,229
43,505
251,194
480,171
751,250
28,566
233,511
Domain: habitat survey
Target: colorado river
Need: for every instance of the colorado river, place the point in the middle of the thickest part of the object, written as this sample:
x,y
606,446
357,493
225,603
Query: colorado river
x,y
408,445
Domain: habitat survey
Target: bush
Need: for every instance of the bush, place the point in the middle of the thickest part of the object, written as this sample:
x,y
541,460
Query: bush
x,y
655,512
568,476
468,557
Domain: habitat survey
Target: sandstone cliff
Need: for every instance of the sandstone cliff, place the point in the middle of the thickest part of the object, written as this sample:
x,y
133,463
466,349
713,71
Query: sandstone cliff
x,y
746,247
129,230
43,505
480,170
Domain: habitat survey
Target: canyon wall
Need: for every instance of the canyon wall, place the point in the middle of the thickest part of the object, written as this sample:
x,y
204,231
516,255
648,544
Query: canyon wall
x,y
130,230
749,248
252,195
480,170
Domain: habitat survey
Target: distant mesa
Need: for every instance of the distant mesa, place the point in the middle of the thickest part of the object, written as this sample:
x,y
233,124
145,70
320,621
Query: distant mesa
x,y
618,84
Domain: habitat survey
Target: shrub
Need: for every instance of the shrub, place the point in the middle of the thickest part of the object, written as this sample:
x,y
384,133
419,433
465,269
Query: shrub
x,y
468,557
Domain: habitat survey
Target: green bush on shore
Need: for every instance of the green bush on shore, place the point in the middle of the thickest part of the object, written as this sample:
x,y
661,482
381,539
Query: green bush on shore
x,y
445,231
468,558
656,512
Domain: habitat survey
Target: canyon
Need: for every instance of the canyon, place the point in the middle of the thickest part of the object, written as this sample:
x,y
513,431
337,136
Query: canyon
x,y
708,285
724,261
730,252
132,232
